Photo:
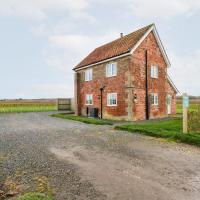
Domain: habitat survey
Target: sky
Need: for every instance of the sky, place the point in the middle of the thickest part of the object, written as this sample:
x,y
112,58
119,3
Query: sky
x,y
42,40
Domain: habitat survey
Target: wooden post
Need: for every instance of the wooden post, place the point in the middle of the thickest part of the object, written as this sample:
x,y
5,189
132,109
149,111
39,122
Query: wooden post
x,y
185,112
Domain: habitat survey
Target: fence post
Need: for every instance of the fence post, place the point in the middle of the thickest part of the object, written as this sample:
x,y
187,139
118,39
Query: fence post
x,y
185,112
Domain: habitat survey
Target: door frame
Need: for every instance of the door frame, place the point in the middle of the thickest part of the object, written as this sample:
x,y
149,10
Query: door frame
x,y
169,104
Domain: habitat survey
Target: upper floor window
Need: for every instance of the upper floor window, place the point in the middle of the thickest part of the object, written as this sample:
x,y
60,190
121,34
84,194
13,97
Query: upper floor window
x,y
111,69
89,99
88,75
154,99
154,71
112,99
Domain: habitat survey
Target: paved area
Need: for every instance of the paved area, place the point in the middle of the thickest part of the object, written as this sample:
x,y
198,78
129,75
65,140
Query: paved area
x,y
73,160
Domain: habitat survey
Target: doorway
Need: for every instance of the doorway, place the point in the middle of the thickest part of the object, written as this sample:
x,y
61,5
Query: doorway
x,y
169,104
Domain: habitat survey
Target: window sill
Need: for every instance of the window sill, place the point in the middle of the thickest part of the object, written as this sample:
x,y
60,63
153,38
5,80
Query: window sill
x,y
154,77
112,105
111,76
155,106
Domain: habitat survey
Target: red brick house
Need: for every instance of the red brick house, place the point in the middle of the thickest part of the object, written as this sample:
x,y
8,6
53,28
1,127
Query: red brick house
x,y
126,79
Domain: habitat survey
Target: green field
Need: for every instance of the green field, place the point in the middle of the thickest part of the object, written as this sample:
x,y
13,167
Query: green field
x,y
192,107
17,106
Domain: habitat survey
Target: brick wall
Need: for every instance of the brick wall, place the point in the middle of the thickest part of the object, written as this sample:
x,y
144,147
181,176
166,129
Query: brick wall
x,y
138,63
113,85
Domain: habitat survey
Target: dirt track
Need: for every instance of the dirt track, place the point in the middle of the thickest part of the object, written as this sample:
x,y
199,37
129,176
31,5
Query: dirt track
x,y
83,161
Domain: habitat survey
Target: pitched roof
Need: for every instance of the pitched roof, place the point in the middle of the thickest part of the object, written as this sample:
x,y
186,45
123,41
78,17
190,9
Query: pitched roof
x,y
115,48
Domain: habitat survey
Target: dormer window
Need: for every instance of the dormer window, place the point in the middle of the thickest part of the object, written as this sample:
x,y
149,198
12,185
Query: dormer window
x,y
154,71
111,69
88,75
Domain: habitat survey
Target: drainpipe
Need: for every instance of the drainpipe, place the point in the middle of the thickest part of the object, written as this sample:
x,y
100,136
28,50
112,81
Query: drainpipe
x,y
101,90
146,85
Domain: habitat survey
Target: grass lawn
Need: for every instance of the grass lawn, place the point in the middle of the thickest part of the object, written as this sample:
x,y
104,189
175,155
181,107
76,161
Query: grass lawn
x,y
171,129
83,119
27,108
34,196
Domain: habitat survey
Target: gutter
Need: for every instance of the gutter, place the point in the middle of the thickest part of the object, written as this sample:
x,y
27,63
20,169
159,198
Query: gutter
x,y
103,61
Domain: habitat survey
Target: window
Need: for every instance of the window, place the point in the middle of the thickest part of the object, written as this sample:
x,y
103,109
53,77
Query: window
x,y
89,99
154,99
111,69
112,99
154,71
88,75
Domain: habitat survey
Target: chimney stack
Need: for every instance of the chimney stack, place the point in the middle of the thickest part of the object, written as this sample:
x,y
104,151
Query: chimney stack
x,y
121,35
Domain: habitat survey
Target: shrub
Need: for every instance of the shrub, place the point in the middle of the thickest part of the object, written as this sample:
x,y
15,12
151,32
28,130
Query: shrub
x,y
194,120
35,196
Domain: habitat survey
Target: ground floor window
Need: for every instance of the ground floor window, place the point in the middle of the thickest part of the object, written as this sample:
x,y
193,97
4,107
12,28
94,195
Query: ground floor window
x,y
89,99
154,99
112,99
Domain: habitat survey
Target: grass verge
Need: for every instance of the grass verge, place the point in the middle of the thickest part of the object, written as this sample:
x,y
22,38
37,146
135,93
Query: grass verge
x,y
171,129
83,119
34,196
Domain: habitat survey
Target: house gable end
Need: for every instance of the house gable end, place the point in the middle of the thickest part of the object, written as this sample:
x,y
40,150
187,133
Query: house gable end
x,y
158,40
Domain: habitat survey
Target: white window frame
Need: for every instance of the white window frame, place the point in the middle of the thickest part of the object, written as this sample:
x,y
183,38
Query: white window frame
x,y
154,99
111,97
89,99
88,74
111,69
154,71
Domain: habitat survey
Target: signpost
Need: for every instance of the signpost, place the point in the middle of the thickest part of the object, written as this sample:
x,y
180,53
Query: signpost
x,y
185,112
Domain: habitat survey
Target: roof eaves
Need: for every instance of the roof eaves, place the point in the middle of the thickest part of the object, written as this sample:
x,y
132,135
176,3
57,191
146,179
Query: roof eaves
x,y
102,61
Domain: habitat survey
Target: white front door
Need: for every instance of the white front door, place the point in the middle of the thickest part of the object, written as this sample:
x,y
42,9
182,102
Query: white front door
x,y
169,104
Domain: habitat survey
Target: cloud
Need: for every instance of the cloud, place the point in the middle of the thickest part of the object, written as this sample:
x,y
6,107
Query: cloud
x,y
39,9
74,48
185,71
164,9
54,90
57,62
81,43
72,42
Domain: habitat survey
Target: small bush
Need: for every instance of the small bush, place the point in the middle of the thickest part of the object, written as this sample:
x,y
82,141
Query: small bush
x,y
194,120
35,196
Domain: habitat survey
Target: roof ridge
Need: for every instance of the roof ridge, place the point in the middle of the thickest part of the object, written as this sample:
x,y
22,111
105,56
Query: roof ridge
x,y
138,30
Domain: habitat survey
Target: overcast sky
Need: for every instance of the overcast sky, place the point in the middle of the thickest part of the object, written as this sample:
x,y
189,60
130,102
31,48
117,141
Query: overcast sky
x,y
42,40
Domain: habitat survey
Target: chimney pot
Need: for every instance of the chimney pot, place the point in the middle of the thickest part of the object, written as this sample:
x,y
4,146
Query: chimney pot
x,y
121,35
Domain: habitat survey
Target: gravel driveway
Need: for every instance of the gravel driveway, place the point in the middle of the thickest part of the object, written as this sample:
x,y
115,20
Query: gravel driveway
x,y
73,160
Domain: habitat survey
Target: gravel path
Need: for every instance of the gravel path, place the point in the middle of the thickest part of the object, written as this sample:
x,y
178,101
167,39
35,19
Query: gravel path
x,y
73,160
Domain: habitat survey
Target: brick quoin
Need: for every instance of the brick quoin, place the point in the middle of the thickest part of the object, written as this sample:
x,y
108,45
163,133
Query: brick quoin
x,y
129,84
